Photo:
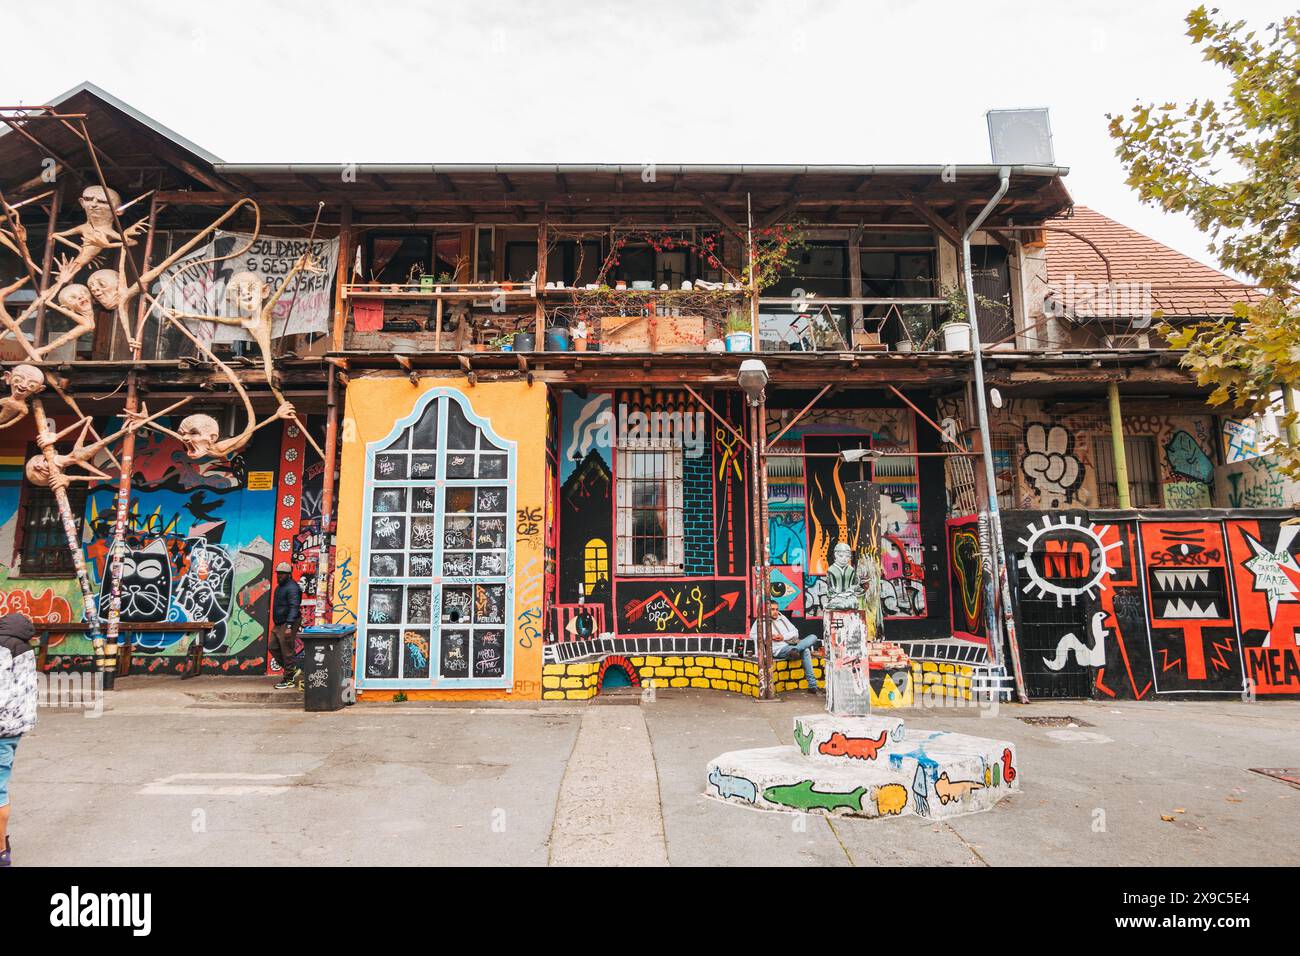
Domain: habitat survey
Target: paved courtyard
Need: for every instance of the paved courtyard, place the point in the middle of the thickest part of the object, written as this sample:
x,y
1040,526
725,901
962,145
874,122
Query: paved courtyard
x,y
221,771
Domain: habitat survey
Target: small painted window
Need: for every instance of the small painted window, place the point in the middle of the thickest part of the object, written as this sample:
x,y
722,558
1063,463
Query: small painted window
x,y
595,565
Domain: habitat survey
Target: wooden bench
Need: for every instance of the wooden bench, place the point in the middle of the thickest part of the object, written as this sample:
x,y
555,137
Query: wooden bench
x,y
195,630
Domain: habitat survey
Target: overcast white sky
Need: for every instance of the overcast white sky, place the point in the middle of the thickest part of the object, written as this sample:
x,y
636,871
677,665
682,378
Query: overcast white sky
x,y
666,81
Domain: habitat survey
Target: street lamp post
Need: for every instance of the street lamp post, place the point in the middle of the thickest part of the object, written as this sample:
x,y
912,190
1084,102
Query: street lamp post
x,y
752,379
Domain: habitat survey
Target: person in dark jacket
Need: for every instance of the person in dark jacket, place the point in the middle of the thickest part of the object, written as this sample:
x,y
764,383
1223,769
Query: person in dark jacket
x,y
17,706
285,613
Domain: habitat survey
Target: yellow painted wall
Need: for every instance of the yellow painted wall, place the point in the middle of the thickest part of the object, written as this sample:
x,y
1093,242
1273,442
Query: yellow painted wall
x,y
517,412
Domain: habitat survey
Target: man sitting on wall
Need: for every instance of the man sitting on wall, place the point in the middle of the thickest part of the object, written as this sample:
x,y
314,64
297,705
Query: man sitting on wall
x,y
786,643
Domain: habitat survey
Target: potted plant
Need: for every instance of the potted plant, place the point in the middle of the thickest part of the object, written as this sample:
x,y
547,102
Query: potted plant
x,y
956,329
525,342
504,342
739,332
557,339
579,335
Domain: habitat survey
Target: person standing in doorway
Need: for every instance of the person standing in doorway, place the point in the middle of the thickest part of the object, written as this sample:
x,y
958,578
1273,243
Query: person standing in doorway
x,y
17,706
285,613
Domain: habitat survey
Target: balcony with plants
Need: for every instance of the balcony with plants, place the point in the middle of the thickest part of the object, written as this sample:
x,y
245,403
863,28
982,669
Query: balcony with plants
x,y
653,290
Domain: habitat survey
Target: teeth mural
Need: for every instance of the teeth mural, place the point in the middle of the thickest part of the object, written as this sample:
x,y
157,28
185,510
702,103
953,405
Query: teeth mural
x,y
1182,580
1190,609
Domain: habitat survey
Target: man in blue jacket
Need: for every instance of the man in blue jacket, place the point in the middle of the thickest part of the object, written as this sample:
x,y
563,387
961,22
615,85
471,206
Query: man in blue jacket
x,y
285,612
17,706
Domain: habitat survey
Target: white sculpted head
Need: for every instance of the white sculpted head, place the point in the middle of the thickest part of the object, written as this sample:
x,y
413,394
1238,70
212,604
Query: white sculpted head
x,y
200,433
76,298
24,382
37,471
246,293
105,286
99,206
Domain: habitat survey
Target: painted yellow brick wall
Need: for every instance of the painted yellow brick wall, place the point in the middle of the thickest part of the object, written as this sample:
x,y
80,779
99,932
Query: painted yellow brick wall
x,y
932,683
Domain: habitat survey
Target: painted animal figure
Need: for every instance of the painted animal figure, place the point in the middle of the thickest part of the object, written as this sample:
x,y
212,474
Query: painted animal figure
x,y
802,796
1008,771
949,790
802,737
891,799
857,748
729,786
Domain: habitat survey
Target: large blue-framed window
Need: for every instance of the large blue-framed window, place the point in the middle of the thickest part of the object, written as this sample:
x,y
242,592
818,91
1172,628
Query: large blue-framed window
x,y
437,549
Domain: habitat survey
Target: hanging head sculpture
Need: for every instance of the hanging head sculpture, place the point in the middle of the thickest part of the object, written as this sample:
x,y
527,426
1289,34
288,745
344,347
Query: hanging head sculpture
x,y
54,470
76,302
25,383
106,287
201,435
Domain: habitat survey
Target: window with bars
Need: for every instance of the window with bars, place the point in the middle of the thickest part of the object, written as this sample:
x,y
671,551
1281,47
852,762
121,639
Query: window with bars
x,y
649,496
44,545
1143,471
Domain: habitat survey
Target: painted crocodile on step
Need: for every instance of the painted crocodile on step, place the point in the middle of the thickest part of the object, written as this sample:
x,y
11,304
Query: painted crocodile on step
x,y
802,796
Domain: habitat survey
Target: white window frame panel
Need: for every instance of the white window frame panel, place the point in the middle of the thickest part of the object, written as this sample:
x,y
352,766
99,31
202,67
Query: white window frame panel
x,y
485,435
676,558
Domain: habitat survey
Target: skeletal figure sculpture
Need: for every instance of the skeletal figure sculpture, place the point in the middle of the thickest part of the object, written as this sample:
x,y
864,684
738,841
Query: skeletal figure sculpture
x,y
247,294
25,382
79,305
201,435
53,469
99,232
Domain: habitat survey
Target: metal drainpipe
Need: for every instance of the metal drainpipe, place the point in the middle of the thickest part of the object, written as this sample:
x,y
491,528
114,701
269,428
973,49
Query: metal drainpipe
x,y
998,573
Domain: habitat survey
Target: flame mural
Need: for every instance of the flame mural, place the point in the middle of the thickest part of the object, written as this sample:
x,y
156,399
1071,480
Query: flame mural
x,y
828,519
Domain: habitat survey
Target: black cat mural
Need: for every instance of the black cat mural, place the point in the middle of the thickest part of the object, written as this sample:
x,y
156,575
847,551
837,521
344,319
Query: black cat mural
x,y
146,584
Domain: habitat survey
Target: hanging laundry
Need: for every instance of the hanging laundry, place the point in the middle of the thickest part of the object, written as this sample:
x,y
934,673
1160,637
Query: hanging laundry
x,y
368,315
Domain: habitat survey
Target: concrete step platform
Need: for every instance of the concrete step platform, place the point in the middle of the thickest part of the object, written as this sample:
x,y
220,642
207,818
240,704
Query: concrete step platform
x,y
926,773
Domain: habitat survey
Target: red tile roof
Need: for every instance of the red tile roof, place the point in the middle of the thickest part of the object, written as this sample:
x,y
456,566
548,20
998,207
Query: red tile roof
x,y
1179,285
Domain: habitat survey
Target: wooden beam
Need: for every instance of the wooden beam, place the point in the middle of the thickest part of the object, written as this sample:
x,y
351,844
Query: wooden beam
x,y
928,213
53,154
779,213
720,214
539,321
346,257
423,198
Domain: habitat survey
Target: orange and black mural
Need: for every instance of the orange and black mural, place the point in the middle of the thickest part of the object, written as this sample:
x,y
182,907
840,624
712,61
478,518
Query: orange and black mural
x,y
1168,605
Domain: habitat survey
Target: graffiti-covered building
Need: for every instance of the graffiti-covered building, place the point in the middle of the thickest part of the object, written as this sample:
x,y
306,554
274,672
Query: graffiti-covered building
x,y
560,471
